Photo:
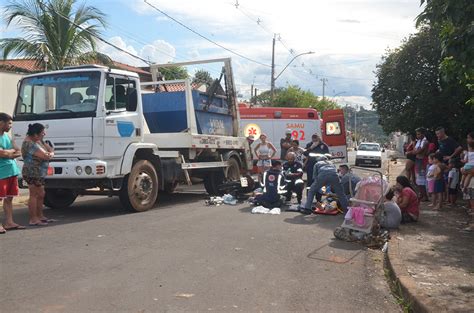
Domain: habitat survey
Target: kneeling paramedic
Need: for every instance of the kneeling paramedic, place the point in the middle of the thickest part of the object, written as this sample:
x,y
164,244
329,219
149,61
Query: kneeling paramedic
x,y
293,173
324,174
273,186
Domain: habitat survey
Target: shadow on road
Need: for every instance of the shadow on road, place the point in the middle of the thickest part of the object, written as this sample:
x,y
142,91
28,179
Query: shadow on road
x,y
93,207
337,251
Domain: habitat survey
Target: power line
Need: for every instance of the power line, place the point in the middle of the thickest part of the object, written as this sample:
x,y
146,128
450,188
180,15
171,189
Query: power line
x,y
204,37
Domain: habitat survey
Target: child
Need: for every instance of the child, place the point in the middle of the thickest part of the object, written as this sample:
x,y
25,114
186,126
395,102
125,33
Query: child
x,y
392,215
468,169
453,180
430,179
439,185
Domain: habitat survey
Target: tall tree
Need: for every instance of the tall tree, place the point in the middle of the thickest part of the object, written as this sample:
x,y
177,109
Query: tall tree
x,y
174,72
294,96
408,92
453,20
47,31
203,77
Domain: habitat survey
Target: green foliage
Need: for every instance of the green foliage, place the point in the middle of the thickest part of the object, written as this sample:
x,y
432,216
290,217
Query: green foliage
x,y
453,21
203,77
294,96
174,72
408,93
364,125
45,32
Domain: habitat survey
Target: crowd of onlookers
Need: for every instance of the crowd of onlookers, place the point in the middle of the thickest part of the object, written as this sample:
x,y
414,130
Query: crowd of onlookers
x,y
440,167
36,155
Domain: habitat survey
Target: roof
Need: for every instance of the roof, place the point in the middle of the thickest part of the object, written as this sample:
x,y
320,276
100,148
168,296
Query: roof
x,y
31,66
178,87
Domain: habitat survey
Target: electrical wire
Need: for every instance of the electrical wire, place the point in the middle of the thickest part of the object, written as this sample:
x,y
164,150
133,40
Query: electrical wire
x,y
204,37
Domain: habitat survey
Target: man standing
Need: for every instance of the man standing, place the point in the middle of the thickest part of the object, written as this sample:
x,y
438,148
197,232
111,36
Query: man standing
x,y
293,173
285,144
325,174
448,147
348,180
315,146
8,172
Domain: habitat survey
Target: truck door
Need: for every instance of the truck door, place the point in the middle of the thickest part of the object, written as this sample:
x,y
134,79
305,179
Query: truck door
x,y
334,134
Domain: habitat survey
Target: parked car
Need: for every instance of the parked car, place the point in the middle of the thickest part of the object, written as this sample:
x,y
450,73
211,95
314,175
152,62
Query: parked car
x,y
369,153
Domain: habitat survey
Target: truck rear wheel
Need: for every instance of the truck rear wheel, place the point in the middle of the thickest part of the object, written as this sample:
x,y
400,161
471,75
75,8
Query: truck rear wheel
x,y
59,198
140,188
217,178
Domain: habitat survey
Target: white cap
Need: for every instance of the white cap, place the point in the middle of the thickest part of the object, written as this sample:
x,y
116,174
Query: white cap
x,y
288,131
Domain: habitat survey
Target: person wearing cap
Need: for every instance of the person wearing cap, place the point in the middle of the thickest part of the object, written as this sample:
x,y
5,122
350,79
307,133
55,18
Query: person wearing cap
x,y
285,144
315,146
325,174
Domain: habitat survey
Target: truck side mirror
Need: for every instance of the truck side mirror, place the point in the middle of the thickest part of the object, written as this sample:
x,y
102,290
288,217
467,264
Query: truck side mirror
x,y
132,100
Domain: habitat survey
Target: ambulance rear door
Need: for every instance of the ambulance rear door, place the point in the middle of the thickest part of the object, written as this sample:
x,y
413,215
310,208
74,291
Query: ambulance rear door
x,y
334,134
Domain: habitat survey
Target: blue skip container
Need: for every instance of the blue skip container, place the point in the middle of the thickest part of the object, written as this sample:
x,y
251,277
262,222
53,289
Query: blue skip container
x,y
165,112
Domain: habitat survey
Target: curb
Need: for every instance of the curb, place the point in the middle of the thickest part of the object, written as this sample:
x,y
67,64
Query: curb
x,y
419,302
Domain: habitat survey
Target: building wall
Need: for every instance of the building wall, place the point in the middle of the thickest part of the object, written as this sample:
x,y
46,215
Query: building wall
x,y
8,91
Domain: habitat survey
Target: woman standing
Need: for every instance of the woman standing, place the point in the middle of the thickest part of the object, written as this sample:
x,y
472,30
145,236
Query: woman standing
x,y
264,152
411,158
36,155
421,161
407,200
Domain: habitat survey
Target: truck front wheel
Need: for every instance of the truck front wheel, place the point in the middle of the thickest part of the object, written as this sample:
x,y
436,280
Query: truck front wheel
x,y
59,198
140,188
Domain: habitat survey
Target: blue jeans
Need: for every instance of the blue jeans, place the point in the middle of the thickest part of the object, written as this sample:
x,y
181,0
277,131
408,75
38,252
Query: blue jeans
x,y
324,180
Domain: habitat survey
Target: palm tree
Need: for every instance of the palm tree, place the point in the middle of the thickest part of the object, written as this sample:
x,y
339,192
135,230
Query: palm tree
x,y
50,33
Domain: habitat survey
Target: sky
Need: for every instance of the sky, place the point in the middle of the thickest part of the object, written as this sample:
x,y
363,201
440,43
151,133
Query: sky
x,y
348,38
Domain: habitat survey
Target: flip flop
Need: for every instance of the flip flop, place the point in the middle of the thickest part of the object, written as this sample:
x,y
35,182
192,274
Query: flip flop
x,y
3,231
15,227
38,224
49,220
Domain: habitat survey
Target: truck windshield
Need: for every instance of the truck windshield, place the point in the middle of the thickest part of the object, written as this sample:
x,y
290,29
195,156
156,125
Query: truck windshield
x,y
56,96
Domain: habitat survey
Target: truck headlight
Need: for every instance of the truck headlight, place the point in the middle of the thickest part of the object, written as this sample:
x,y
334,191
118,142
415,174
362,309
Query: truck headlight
x,y
88,170
78,170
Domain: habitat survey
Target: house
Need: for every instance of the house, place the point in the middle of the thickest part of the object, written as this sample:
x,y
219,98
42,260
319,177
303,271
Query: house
x,y
11,71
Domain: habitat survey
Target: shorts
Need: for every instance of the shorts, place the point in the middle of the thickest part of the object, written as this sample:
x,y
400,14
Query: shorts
x,y
9,187
439,185
264,163
468,194
430,184
468,167
452,191
34,181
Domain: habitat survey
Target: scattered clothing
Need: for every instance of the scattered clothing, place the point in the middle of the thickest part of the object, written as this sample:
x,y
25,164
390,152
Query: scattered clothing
x,y
264,210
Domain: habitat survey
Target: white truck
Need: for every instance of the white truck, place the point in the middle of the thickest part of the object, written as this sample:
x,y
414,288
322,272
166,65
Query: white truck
x,y
113,135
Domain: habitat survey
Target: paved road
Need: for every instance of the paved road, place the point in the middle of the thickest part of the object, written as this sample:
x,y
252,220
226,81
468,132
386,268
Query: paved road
x,y
184,256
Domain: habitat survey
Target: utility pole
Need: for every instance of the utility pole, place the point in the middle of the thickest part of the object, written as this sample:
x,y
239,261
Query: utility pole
x,y
272,83
324,80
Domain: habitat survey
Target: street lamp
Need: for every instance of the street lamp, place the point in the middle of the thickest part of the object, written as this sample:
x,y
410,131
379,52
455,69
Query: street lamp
x,y
339,93
272,86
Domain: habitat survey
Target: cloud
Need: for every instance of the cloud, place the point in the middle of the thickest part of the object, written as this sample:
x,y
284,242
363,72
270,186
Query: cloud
x,y
349,21
159,51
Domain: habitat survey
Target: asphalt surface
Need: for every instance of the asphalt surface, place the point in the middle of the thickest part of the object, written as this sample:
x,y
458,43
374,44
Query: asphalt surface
x,y
184,256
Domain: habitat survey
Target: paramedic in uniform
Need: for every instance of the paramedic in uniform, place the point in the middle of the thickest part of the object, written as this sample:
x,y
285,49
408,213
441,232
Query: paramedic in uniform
x,y
324,174
273,186
315,146
293,173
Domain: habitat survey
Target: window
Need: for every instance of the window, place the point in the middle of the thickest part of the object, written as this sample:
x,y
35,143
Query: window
x,y
56,96
118,92
369,147
333,128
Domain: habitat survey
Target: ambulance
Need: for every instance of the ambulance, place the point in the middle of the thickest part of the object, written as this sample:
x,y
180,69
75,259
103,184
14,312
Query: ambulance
x,y
303,123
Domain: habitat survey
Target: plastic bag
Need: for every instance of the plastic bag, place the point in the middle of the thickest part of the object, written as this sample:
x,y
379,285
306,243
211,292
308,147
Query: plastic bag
x,y
229,199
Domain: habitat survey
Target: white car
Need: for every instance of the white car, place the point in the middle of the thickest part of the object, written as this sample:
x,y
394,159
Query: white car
x,y
369,153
